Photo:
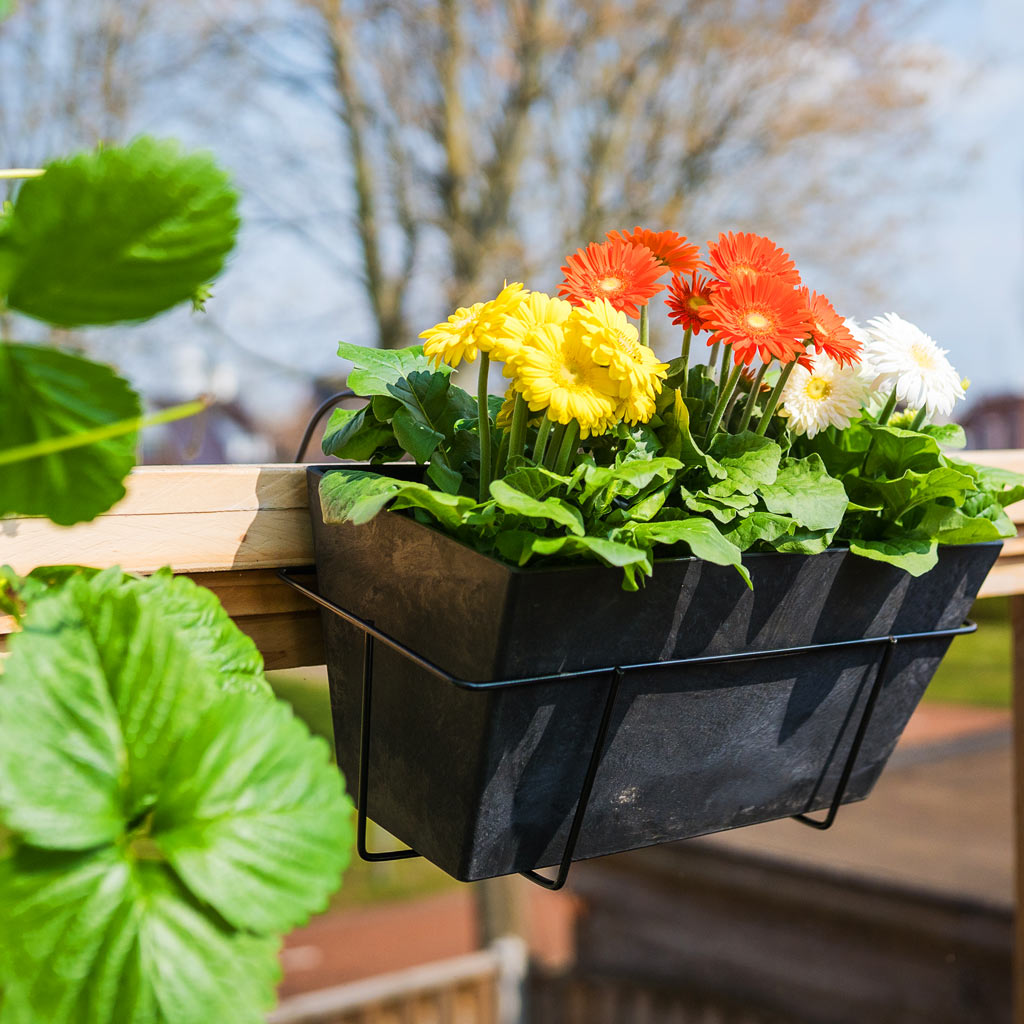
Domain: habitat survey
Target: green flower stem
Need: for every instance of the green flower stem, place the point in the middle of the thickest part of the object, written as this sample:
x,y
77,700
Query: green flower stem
x,y
755,390
645,330
554,445
52,445
733,399
726,392
687,335
517,433
570,440
774,398
918,421
543,432
21,172
712,359
499,466
484,426
888,408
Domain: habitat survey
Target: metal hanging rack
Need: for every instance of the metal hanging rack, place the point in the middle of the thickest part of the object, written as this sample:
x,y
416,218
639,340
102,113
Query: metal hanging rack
x,y
615,674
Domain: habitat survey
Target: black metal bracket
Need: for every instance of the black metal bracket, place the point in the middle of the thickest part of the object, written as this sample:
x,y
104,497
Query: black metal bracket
x,y
616,674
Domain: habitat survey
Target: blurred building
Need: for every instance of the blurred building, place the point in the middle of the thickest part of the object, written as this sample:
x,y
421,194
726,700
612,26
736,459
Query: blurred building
x,y
995,422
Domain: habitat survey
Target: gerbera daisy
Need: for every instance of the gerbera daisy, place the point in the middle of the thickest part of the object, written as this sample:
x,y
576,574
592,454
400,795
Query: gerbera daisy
x,y
685,300
669,247
615,343
558,372
758,315
828,330
471,328
826,394
518,325
621,272
905,360
747,255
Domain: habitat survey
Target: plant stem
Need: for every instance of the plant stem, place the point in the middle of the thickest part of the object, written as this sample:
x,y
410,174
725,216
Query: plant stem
x,y
570,439
713,359
645,331
517,434
774,398
542,438
687,335
499,466
21,172
484,426
918,421
52,445
554,445
723,370
723,398
733,399
755,390
887,409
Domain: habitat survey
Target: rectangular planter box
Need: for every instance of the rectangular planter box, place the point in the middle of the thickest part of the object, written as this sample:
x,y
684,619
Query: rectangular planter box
x,y
485,783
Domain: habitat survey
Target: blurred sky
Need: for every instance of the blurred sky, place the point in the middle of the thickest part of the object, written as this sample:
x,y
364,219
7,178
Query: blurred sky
x,y
957,270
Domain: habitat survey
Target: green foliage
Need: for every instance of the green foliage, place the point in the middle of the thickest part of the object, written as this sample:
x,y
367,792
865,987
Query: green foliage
x,y
117,234
170,818
48,394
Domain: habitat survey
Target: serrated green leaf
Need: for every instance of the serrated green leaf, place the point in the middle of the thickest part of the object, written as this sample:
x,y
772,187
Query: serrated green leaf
x,y
355,434
804,490
118,234
749,460
520,546
725,508
955,526
46,394
915,555
356,496
377,369
603,484
911,489
446,479
893,451
553,509
949,435
700,534
761,527
99,936
252,816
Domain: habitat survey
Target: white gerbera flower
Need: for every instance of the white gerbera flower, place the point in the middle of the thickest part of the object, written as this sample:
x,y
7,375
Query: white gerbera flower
x,y
903,358
826,395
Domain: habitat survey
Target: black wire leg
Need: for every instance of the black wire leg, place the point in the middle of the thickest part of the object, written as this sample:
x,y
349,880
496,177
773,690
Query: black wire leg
x,y
364,764
588,784
858,739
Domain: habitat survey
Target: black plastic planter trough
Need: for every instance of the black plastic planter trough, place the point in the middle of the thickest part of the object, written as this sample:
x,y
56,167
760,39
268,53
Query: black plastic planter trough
x,y
791,700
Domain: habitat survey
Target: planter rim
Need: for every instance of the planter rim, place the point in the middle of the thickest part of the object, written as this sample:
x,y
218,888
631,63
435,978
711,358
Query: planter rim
x,y
582,566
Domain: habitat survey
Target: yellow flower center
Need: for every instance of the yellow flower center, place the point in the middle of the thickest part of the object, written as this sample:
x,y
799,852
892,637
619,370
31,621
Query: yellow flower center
x,y
818,389
923,356
756,321
743,270
610,284
572,375
696,301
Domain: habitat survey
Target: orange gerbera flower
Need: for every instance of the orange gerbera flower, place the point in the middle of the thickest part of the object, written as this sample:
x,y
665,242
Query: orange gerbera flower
x,y
747,255
621,272
758,315
669,247
687,298
829,332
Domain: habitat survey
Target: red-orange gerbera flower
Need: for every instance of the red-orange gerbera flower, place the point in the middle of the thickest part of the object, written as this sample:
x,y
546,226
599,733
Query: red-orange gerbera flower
x,y
830,334
758,315
685,300
669,247
747,255
621,272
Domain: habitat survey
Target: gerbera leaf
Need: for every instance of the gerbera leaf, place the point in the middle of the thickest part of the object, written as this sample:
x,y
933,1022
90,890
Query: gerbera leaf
x,y
911,489
357,434
805,491
356,496
915,555
520,546
749,460
893,451
553,509
701,535
376,369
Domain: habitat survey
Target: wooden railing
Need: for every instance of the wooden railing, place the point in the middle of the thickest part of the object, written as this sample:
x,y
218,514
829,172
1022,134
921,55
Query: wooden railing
x,y
230,527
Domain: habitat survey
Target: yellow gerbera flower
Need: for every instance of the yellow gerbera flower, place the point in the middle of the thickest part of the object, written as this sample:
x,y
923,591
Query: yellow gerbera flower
x,y
471,328
557,372
536,309
616,344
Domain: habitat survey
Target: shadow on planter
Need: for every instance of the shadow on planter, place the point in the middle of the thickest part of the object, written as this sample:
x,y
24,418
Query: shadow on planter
x,y
486,782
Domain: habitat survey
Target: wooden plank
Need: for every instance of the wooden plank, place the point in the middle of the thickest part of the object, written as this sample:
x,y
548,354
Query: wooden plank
x,y
1017,622
188,542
